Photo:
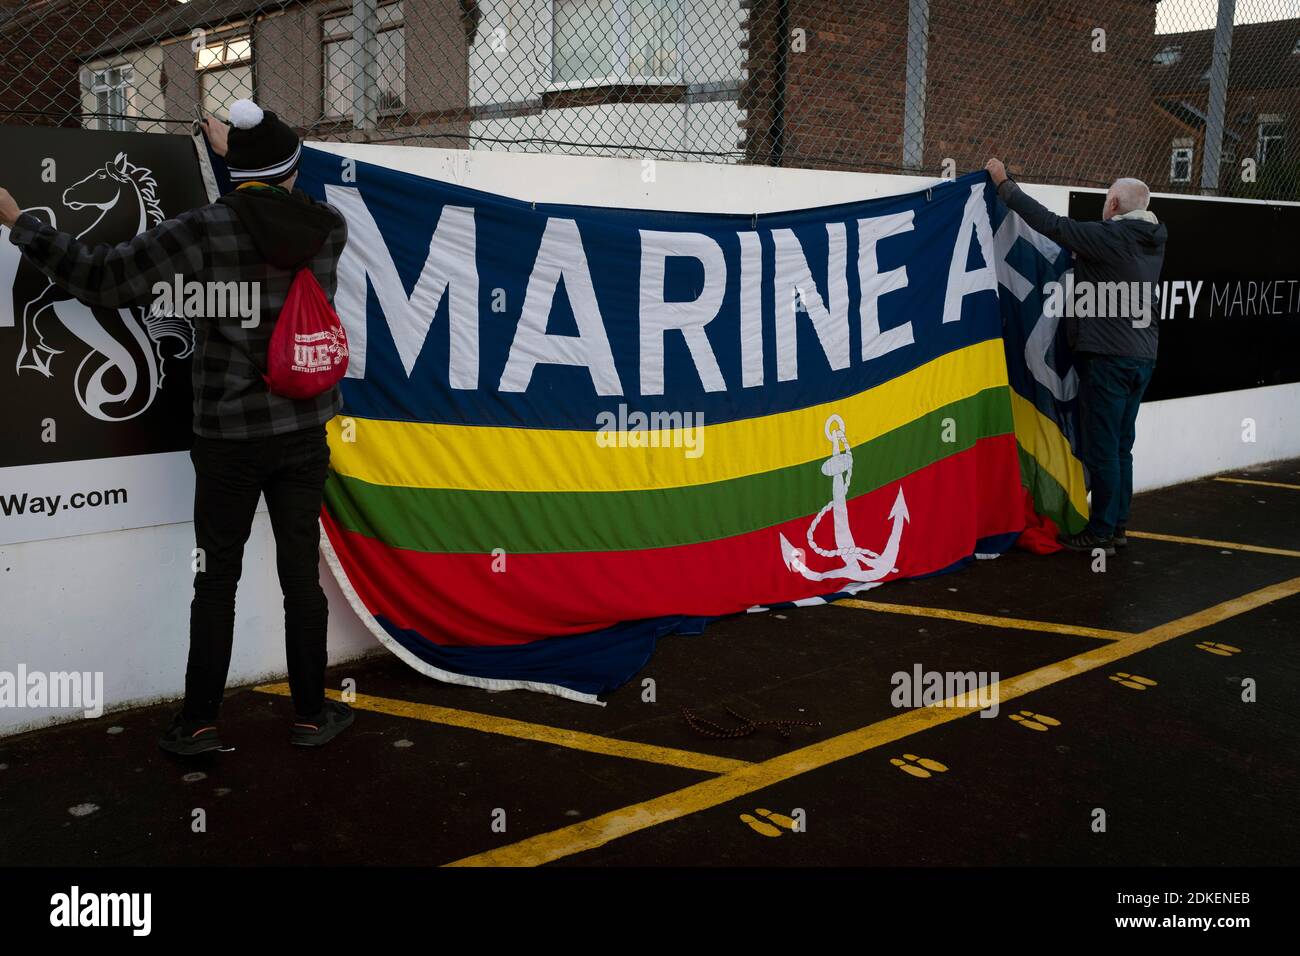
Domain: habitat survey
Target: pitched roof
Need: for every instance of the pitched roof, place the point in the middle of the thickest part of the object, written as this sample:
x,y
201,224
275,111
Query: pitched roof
x,y
1191,116
1263,56
183,18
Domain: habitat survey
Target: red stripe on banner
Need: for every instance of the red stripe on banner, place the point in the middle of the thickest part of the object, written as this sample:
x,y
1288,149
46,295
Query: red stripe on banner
x,y
459,599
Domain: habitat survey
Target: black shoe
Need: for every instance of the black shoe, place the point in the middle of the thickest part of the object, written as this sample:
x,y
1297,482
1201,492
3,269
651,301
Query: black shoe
x,y
187,738
1121,537
1085,540
333,719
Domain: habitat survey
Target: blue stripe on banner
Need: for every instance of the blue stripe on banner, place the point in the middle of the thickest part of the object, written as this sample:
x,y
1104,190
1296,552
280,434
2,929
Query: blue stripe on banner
x,y
1040,365
592,663
994,544
402,357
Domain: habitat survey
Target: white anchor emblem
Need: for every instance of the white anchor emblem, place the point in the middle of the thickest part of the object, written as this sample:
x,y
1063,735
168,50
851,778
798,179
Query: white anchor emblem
x,y
860,564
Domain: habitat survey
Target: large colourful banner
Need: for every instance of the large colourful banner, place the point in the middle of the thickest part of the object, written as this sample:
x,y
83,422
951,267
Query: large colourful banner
x,y
568,431
1044,381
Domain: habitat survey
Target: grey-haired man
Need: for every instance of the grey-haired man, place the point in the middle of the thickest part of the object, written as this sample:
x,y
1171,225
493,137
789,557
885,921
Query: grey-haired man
x,y
1115,354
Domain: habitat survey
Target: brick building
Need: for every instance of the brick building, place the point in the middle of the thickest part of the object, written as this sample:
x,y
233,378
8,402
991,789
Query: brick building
x,y
1260,118
299,59
40,71
1034,83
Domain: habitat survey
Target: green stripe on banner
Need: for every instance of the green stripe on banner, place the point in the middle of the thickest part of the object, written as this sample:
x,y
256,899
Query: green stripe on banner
x,y
477,522
1049,497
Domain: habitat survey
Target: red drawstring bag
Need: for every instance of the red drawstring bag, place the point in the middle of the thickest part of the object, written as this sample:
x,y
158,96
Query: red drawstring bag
x,y
308,353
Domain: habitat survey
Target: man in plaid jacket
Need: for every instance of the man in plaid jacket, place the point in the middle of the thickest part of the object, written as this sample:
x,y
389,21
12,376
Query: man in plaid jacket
x,y
248,441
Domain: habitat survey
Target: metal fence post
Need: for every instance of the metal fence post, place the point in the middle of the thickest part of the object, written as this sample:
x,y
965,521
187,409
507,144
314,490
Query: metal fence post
x,y
1218,98
365,86
918,39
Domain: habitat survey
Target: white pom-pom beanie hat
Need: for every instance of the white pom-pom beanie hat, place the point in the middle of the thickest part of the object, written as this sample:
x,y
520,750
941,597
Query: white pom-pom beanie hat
x,y
260,146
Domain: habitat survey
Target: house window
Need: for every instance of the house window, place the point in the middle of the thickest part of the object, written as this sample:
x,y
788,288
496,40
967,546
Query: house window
x,y
225,66
1169,55
1270,138
338,85
1180,164
615,39
112,88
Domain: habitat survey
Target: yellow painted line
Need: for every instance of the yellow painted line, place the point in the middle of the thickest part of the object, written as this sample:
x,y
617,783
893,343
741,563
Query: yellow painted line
x,y
1266,484
1208,543
992,620
541,733
596,832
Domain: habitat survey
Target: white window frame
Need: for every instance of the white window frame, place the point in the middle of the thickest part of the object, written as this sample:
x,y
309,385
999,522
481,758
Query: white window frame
x,y
328,39
223,39
1262,142
1181,153
622,44
1168,56
124,87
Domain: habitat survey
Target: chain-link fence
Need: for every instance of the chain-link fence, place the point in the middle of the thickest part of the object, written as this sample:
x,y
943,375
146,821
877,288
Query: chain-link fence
x,y
1190,95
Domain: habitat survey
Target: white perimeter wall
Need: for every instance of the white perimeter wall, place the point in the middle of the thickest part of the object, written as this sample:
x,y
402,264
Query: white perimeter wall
x,y
119,602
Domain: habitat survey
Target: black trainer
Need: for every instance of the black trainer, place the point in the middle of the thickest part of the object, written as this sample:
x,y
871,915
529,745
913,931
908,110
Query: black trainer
x,y
333,719
1121,537
1085,540
187,738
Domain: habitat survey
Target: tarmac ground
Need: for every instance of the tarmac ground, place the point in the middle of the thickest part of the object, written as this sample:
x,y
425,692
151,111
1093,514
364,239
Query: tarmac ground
x,y
1147,716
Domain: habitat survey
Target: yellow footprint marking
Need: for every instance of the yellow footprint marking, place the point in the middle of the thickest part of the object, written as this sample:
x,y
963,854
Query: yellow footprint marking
x,y
758,826
917,766
1027,718
765,826
1132,680
780,819
1223,650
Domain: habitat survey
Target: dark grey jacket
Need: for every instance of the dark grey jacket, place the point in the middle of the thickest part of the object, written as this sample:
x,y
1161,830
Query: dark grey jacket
x,y
1118,250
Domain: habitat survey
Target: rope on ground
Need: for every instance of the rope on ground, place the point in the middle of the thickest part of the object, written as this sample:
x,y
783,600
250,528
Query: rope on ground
x,y
747,727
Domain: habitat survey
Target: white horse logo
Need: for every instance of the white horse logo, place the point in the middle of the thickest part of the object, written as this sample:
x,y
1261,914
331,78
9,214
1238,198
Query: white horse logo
x,y
121,374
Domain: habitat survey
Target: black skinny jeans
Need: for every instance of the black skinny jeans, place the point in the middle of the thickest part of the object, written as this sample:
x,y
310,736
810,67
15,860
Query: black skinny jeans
x,y
290,470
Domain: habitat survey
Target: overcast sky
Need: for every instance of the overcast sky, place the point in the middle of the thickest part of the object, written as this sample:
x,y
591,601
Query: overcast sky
x,y
1176,16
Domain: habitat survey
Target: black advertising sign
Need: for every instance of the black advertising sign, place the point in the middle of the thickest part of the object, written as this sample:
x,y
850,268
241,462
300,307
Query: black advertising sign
x,y
1229,295
87,384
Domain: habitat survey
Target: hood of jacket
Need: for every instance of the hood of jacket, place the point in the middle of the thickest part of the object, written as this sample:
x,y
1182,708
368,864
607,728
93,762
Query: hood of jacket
x,y
288,229
1149,231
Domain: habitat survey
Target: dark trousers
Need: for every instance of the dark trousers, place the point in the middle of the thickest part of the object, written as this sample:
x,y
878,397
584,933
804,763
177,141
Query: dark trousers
x,y
229,476
1110,392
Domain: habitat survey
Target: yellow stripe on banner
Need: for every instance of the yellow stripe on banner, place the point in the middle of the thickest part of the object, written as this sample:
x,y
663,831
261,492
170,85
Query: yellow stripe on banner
x,y
486,458
1042,438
